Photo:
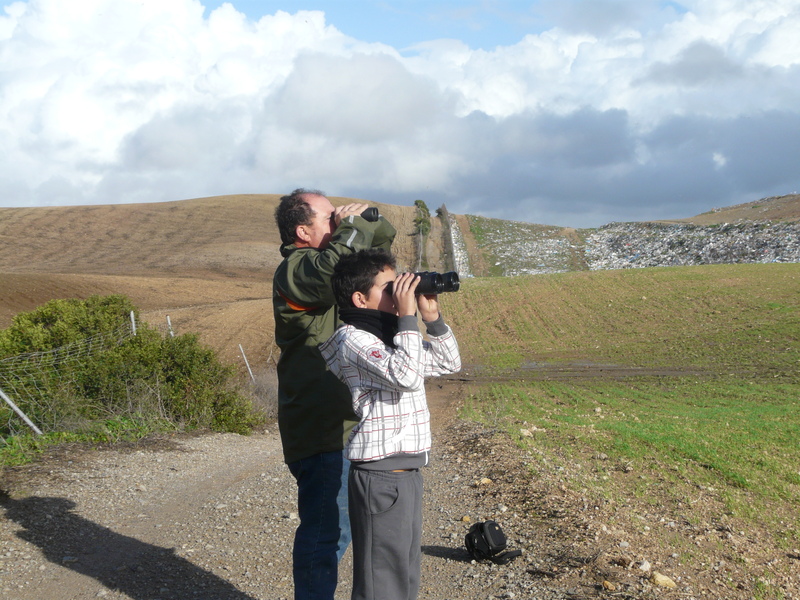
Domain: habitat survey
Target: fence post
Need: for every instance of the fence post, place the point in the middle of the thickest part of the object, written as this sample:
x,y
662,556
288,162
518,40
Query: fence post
x,y
133,323
16,409
244,356
169,326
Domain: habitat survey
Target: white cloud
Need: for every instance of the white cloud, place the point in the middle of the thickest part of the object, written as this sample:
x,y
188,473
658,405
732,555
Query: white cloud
x,y
360,98
144,100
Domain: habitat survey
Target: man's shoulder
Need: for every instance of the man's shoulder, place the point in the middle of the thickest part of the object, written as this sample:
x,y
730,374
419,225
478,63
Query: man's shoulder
x,y
293,253
292,256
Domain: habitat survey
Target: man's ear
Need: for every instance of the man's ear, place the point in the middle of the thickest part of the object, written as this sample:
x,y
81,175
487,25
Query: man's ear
x,y
301,234
359,300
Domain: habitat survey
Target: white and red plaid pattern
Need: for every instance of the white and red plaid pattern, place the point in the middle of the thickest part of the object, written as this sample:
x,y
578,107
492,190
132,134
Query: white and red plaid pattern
x,y
388,387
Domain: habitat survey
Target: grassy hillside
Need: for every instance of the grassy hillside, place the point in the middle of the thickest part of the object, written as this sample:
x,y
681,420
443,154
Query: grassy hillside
x,y
716,318
672,392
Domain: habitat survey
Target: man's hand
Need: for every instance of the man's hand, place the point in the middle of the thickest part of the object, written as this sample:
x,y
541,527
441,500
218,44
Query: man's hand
x,y
428,307
342,212
403,294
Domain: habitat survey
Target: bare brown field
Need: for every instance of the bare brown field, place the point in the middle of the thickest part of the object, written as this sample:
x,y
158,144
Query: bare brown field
x,y
781,208
206,263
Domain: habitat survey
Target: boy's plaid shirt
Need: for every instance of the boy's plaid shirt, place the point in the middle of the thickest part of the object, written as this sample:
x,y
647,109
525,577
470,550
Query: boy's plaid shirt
x,y
388,387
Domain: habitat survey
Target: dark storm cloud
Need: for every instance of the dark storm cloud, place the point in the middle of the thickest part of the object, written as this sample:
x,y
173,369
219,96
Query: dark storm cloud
x,y
585,169
699,64
763,151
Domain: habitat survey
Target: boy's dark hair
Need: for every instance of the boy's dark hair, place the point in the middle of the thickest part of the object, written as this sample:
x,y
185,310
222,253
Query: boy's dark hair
x,y
293,210
357,272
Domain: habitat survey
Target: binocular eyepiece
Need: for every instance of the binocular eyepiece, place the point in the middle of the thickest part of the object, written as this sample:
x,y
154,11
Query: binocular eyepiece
x,y
371,214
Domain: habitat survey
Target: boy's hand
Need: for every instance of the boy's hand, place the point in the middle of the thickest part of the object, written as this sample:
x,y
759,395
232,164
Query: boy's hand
x,y
428,307
403,290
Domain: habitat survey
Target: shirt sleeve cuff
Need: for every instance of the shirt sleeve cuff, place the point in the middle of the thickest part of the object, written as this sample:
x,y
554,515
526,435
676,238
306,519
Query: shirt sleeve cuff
x,y
408,323
437,327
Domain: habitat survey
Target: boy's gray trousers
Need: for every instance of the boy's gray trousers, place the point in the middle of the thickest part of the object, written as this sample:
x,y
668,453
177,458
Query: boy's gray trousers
x,y
386,523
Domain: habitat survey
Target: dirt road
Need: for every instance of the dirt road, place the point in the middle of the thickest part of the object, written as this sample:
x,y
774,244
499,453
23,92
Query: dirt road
x,y
212,517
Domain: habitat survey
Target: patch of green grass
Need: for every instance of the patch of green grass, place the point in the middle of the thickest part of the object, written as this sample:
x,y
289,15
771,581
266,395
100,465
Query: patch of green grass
x,y
708,430
24,448
766,590
738,437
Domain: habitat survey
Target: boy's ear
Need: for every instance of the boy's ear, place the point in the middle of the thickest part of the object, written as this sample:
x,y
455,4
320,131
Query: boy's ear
x,y
359,300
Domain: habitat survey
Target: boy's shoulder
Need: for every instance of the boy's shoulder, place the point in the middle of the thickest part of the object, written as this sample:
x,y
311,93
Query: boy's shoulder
x,y
352,334
359,336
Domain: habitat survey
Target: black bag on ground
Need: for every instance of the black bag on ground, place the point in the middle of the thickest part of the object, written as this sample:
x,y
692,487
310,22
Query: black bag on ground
x,y
486,540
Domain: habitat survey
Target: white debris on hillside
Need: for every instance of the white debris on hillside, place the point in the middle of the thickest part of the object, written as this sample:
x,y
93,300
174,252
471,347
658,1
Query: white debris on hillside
x,y
523,248
634,245
547,255
460,254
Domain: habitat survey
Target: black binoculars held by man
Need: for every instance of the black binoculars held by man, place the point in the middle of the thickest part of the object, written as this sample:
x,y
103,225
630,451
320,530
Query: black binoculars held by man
x,y
429,282
371,214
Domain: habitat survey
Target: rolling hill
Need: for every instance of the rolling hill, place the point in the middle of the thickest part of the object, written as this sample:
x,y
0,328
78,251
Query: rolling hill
x,y
207,263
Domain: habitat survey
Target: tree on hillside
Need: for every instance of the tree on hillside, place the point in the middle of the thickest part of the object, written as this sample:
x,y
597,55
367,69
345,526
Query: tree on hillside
x,y
422,227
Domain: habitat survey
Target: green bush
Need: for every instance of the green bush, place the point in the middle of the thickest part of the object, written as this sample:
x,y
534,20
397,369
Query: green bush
x,y
84,369
62,322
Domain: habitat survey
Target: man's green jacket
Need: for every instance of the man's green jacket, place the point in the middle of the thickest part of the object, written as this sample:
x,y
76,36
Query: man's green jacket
x,y
315,413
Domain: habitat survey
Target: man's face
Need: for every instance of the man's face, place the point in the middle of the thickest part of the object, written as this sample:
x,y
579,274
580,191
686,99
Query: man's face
x,y
380,294
322,225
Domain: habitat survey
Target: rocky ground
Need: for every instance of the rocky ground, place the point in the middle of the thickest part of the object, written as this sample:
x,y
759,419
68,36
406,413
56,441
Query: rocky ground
x,y
526,249
212,516
638,245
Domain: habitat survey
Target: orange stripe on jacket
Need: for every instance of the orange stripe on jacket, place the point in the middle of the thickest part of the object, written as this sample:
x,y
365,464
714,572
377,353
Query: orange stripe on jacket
x,y
294,305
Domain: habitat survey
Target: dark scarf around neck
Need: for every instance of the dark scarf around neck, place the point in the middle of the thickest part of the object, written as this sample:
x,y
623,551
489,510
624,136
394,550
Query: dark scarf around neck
x,y
380,324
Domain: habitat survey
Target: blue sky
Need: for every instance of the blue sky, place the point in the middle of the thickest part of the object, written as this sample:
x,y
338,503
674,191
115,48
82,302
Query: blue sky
x,y
563,112
404,23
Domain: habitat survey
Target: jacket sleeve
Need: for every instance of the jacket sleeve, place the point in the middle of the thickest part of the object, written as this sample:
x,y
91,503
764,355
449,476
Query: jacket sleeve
x,y
384,235
308,285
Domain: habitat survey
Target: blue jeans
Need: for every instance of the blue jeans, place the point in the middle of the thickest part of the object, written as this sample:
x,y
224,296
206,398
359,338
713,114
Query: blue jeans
x,y
324,531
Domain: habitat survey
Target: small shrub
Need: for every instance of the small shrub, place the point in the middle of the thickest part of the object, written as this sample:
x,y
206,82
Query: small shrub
x,y
83,370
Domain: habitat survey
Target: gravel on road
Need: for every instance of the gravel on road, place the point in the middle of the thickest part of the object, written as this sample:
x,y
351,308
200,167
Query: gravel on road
x,y
212,517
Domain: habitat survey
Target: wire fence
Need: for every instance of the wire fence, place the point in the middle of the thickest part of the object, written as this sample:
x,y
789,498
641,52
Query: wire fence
x,y
30,381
